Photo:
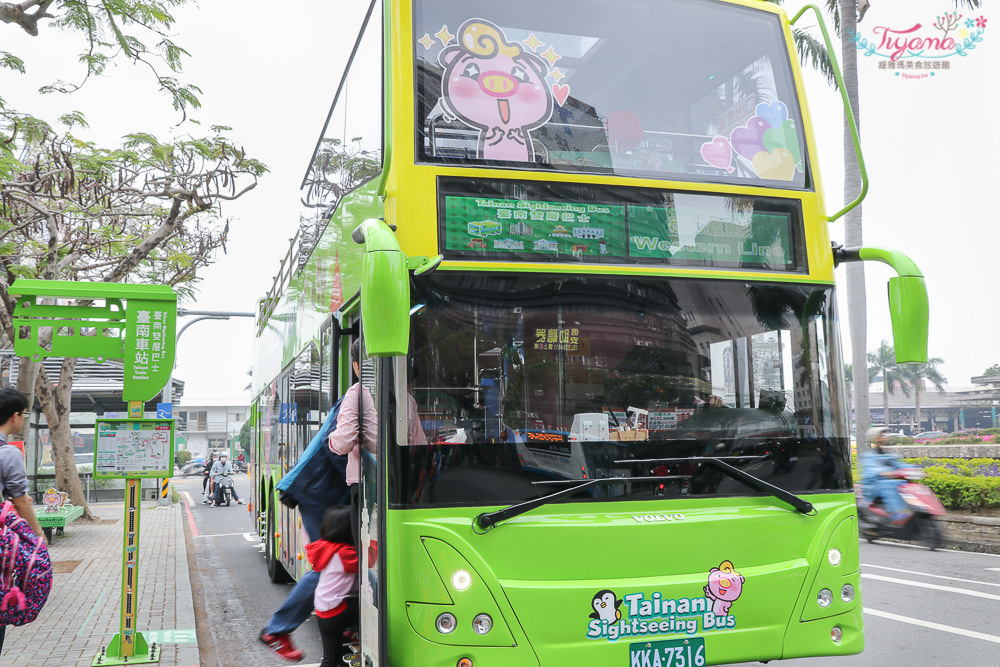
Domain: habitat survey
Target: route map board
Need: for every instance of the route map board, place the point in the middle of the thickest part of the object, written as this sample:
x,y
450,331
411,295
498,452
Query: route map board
x,y
134,448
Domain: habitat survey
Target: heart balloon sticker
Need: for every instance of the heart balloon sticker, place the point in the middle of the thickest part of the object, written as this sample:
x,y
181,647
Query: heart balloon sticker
x,y
778,165
784,136
718,153
749,140
774,113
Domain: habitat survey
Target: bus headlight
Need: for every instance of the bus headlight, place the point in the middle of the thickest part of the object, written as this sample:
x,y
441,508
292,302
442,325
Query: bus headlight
x,y
836,634
834,557
461,580
847,593
445,623
824,598
482,624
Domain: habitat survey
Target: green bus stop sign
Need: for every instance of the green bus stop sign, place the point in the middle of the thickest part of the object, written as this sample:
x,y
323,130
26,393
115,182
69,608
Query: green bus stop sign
x,y
134,323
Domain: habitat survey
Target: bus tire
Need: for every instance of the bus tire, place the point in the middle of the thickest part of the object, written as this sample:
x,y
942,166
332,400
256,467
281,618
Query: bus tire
x,y
276,572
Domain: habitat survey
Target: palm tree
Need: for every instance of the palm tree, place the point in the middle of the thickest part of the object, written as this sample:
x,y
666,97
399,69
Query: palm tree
x,y
917,375
882,363
812,51
846,15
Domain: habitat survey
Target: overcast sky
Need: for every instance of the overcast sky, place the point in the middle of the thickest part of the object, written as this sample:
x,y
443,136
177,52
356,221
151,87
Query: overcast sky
x,y
269,70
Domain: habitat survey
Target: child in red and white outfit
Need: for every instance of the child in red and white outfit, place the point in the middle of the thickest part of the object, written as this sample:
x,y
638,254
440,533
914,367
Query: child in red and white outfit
x,y
336,598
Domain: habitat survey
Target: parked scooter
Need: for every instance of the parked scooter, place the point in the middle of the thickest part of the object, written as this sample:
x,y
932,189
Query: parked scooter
x,y
225,482
922,527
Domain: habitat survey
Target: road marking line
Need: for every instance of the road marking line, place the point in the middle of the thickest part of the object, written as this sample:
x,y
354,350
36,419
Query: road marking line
x,y
251,537
934,626
934,587
221,535
936,576
993,569
917,546
900,544
187,508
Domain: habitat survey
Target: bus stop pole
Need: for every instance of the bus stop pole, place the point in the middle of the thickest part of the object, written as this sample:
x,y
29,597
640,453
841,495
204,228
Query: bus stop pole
x,y
129,645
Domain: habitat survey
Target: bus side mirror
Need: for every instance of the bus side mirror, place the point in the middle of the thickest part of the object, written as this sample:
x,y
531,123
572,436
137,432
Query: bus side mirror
x,y
908,305
385,290
910,313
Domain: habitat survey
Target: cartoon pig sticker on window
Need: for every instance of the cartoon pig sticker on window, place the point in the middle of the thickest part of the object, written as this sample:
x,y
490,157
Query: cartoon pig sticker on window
x,y
725,585
496,87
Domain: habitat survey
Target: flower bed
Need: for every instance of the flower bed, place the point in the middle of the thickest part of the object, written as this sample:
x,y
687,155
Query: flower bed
x,y
963,484
975,436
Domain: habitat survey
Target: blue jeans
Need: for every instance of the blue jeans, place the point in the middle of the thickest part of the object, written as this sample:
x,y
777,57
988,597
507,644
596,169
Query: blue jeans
x,y
299,603
218,495
888,489
297,607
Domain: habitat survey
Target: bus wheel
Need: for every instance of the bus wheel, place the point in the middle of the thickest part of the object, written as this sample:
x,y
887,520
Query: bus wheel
x,y
275,570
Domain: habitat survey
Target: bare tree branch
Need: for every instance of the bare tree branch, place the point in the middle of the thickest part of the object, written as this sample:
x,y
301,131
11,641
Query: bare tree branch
x,y
146,212
20,14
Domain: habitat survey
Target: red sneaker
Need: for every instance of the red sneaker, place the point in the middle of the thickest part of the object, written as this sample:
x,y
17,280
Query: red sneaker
x,y
282,645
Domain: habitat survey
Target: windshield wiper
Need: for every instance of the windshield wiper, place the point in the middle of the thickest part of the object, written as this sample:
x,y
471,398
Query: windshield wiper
x,y
487,520
800,505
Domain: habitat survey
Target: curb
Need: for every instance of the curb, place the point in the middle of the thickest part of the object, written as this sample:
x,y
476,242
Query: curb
x,y
953,538
968,532
184,601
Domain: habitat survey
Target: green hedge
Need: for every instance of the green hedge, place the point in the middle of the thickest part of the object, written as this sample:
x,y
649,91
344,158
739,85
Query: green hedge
x,y
964,493
962,484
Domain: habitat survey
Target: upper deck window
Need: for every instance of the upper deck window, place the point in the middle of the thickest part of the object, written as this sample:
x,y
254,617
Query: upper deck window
x,y
695,90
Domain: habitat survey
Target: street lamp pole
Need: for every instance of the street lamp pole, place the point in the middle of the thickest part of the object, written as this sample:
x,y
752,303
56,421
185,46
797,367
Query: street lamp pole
x,y
168,390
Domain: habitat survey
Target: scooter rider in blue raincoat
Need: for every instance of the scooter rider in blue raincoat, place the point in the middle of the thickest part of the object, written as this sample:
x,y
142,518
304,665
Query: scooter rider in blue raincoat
x,y
222,467
877,477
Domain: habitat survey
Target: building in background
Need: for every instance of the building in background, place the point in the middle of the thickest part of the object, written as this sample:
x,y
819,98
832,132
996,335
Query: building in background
x,y
202,428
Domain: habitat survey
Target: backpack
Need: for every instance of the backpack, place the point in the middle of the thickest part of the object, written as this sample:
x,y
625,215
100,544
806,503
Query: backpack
x,y
25,569
319,478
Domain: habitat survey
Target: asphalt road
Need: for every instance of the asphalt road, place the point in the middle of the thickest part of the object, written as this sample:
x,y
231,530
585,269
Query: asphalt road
x,y
233,597
921,607
925,608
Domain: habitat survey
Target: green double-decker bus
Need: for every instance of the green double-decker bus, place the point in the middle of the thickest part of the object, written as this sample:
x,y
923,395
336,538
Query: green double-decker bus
x,y
585,246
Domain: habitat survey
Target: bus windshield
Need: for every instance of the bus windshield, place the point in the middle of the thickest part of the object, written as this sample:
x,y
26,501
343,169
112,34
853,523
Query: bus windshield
x,y
684,90
523,383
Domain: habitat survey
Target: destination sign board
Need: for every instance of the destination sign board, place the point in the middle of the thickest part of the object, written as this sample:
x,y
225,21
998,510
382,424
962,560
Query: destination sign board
x,y
683,229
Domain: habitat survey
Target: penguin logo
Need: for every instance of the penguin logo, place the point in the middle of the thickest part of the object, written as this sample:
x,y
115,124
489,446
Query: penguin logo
x,y
606,606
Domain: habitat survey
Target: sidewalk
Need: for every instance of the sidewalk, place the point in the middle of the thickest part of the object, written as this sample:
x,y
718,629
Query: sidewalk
x,y
83,611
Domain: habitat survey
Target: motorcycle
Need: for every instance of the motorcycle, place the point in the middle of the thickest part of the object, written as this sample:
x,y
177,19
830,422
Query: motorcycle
x,y
874,522
240,466
225,482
